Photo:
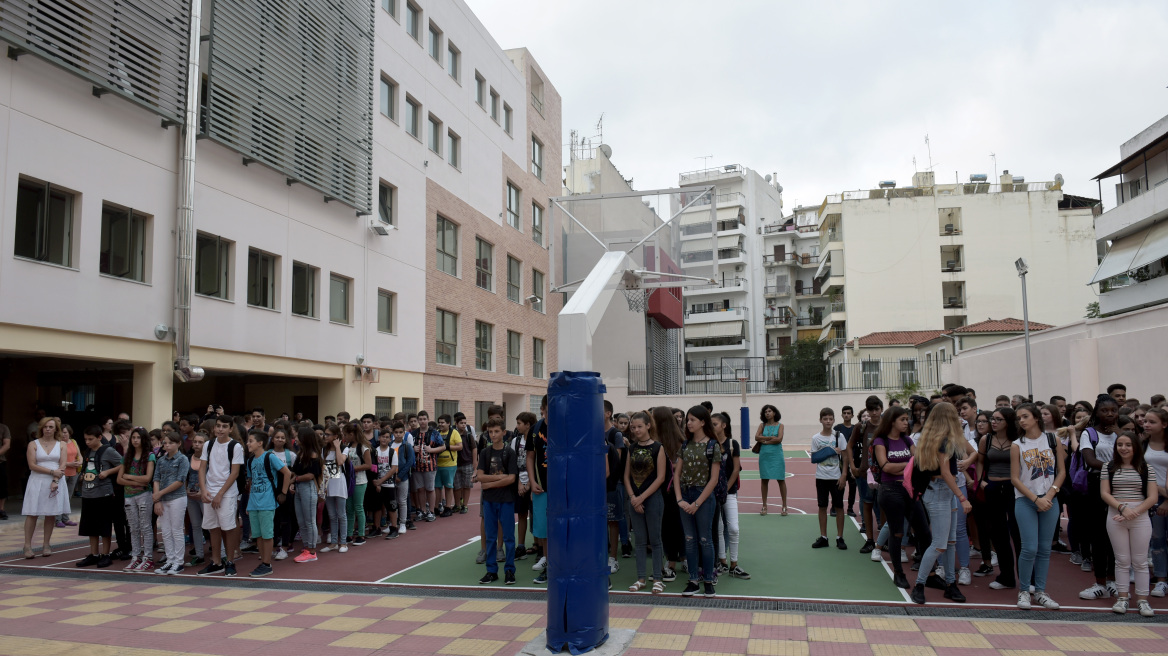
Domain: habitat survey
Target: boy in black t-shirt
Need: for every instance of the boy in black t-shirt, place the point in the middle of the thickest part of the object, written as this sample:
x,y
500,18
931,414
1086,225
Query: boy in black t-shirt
x,y
615,472
845,429
497,474
537,443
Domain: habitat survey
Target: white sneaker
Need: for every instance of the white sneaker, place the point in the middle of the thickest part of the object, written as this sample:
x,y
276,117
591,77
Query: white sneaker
x,y
1031,589
1024,600
613,565
326,548
1096,591
401,529
1120,607
876,557
344,548
540,565
964,576
903,556
281,554
940,571
1160,589
994,585
974,553
993,559
1146,608
1112,589
1045,601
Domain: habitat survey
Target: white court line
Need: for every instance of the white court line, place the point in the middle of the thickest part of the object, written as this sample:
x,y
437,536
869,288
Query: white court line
x,y
438,555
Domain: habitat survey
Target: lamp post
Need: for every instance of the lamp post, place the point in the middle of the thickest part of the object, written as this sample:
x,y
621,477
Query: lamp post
x,y
1020,265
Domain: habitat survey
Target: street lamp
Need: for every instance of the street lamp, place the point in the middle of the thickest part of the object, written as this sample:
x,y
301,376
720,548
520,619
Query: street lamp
x,y
1023,269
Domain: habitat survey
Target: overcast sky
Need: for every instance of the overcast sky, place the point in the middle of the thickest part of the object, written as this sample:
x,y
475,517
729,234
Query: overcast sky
x,y
838,96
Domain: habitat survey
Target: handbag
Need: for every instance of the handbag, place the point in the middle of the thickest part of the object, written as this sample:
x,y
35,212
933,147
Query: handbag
x,y
756,447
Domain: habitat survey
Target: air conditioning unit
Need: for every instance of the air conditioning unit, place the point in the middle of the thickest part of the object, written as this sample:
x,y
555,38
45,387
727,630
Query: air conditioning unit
x,y
738,267
948,228
378,227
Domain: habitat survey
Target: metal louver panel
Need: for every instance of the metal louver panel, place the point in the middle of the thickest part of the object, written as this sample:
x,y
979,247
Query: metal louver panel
x,y
291,87
135,49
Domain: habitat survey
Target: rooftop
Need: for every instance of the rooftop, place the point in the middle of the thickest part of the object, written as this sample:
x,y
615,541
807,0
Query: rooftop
x,y
1007,325
918,337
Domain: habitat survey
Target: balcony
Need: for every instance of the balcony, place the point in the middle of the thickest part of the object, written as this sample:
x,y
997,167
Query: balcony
x,y
776,291
716,173
705,314
776,353
778,322
954,302
813,321
717,346
726,286
1140,211
807,292
835,343
725,256
730,226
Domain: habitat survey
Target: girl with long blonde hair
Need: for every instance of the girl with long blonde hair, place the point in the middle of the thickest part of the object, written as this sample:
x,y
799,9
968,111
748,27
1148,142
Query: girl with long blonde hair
x,y
941,444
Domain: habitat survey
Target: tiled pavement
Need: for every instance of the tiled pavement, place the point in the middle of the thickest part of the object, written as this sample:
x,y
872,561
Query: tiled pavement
x,y
46,615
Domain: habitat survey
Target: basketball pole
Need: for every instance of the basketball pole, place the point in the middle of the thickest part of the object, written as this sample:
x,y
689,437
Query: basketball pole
x,y
744,415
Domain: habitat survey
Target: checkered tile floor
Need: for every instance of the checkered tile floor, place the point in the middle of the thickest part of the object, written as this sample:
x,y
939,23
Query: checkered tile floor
x,y
42,615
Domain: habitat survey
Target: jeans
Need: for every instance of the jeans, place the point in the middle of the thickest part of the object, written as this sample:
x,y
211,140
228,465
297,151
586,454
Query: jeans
x,y
495,514
306,513
698,528
623,524
1129,541
1037,530
647,529
355,511
1159,548
1003,529
942,508
962,533
403,493
171,525
141,534
898,507
337,517
195,513
726,529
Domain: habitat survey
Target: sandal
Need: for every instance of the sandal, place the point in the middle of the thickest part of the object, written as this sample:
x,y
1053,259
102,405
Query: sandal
x,y
763,511
658,587
784,513
28,554
46,551
637,586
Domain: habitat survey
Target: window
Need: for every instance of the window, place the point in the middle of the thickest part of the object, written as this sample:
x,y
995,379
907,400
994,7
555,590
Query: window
x,y
481,408
453,149
513,347
447,246
537,357
434,135
908,372
261,279
211,265
413,21
453,59
537,224
537,290
871,374
385,311
495,105
484,346
445,407
388,98
123,243
435,43
513,206
484,264
390,6
507,118
304,289
339,298
480,90
385,202
44,223
413,117
383,406
409,406
447,338
514,275
536,158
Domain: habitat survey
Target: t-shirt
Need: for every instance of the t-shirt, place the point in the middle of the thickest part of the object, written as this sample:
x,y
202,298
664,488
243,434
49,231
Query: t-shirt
x,y
263,495
731,450
426,462
899,451
1037,463
498,461
1159,461
218,469
386,460
72,454
287,456
1104,449
93,487
362,477
846,431
828,469
193,489
304,466
538,446
519,445
643,466
1127,484
449,458
695,465
137,468
334,474
616,458
466,456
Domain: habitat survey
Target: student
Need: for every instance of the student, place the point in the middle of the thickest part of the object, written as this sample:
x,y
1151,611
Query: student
x,y
1128,487
620,423
195,499
859,450
447,465
1118,392
1097,446
998,487
73,463
1037,472
726,515
405,459
772,464
360,453
695,475
307,480
336,489
537,474
171,472
845,428
892,449
644,477
615,500
269,479
427,445
222,458
523,424
386,484
286,512
941,444
98,502
136,477
830,479
672,534
1156,455
464,474
497,475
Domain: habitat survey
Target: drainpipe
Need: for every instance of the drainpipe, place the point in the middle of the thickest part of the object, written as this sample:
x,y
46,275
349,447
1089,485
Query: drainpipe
x,y
184,228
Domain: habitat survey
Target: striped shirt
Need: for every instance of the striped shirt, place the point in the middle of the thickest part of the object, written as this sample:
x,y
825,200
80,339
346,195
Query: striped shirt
x,y
1127,486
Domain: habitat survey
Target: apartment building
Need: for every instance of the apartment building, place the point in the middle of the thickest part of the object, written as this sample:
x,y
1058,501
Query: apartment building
x,y
796,306
1134,233
337,245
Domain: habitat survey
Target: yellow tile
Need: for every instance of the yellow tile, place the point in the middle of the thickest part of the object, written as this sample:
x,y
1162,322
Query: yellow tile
x,y
255,618
365,640
176,626
393,602
888,624
167,600
1004,628
901,650
416,615
832,634
31,581
170,612
466,647
1124,631
967,640
529,635
97,585
675,614
757,647
245,605
348,624
312,598
92,619
327,610
1030,652
17,613
721,630
1067,643
94,607
778,619
624,623
268,633
660,640
27,590
483,606
165,589
511,619
707,653
234,593
442,630
27,600
94,595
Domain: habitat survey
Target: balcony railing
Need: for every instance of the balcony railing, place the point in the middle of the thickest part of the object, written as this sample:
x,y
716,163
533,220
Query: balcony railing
x,y
835,342
537,103
778,351
814,320
837,306
703,228
802,259
725,283
777,290
736,197
708,256
808,291
707,174
737,310
777,321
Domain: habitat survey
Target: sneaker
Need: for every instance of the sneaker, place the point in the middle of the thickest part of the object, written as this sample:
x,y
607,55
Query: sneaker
x,y
132,566
691,589
386,530
613,565
430,517
1087,565
305,556
1044,600
939,570
210,569
344,548
358,541
683,566
249,547
261,570
196,561
1146,608
145,565
162,569
918,593
963,576
840,544
489,577
1076,558
994,585
708,589
446,513
668,575
953,593
994,558
175,569
738,573
463,510
868,547
1112,589
542,578
327,548
228,568
92,559
876,557
1096,591
104,561
1024,600
899,580
935,582
410,526
1120,607
402,528
1160,589
974,552
627,550
281,554
1060,547
509,578
521,552
60,524
985,570
820,542
539,566
721,568
393,534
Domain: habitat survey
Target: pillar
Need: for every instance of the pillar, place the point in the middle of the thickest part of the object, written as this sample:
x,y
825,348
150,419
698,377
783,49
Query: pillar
x,y
153,393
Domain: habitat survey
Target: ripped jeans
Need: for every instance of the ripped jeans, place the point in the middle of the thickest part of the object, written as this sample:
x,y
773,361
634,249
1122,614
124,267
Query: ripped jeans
x,y
699,539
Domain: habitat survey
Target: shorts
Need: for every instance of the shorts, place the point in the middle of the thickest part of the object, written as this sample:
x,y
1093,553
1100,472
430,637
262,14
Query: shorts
x,y
539,515
388,498
444,477
97,516
829,487
222,517
423,481
464,477
523,503
263,524
616,510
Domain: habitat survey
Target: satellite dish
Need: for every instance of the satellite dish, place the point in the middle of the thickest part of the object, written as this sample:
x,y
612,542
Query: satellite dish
x,y
767,178
607,150
1058,180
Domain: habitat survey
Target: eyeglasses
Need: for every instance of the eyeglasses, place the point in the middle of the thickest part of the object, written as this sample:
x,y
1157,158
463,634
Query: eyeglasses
x,y
996,419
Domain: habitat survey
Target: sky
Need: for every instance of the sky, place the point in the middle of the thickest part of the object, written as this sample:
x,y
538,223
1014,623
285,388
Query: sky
x,y
839,96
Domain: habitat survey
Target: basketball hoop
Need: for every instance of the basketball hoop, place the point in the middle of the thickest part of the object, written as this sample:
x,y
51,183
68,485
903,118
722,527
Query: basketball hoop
x,y
637,298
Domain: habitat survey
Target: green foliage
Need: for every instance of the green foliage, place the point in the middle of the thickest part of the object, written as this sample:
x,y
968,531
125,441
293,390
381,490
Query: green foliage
x,y
1093,310
803,368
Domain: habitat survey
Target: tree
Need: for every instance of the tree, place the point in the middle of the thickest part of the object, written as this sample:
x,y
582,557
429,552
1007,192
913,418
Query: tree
x,y
803,368
1093,310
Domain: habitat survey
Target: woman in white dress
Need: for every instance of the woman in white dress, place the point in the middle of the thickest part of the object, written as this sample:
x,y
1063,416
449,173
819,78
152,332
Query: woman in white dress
x,y
45,495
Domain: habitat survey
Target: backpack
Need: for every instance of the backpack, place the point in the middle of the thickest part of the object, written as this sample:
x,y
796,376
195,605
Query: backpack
x,y
240,481
350,477
720,488
1079,468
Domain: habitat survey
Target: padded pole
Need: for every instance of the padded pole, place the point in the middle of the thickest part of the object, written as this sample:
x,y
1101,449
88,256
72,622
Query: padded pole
x,y
744,428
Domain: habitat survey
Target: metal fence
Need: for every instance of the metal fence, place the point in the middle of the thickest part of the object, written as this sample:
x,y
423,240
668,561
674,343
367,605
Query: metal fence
x,y
887,374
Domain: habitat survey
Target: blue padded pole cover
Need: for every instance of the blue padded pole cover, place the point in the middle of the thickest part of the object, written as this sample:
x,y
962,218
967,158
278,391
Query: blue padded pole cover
x,y
744,428
577,606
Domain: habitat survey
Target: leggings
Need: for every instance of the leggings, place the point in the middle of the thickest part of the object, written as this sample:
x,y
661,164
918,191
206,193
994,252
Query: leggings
x,y
1130,543
898,507
171,524
355,512
195,513
647,531
138,516
305,499
1003,529
726,531
1102,556
336,511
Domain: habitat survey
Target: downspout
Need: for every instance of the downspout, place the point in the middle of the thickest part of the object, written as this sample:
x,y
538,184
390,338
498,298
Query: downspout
x,y
184,228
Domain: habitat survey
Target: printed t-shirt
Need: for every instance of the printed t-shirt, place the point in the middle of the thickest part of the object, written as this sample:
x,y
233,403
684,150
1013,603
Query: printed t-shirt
x,y
362,477
643,466
335,483
137,468
93,487
263,495
498,461
828,469
898,451
386,460
695,466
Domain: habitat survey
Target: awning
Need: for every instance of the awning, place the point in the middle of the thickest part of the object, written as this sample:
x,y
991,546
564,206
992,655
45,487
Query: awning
x,y
715,330
1130,159
824,262
729,241
826,332
703,215
1155,246
1133,251
695,245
